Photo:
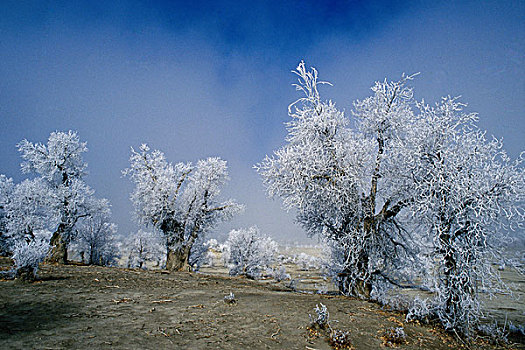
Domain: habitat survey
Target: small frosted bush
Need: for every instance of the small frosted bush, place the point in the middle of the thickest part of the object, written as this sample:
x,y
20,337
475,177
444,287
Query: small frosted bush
x,y
322,318
340,339
494,333
280,274
292,285
230,298
394,336
519,329
250,252
27,256
307,262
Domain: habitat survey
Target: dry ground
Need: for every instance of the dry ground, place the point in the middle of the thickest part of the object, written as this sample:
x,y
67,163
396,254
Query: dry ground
x,y
80,307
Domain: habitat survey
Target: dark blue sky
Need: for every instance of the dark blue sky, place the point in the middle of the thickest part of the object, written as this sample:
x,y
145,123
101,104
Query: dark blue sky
x,y
200,78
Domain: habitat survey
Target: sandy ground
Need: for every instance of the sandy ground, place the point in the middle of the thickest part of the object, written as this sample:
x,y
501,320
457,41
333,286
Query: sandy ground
x,y
503,308
81,307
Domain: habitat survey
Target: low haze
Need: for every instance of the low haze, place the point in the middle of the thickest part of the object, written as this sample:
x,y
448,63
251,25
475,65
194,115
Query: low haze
x,y
213,79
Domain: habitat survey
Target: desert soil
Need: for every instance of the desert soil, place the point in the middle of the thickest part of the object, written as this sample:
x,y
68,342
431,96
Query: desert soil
x,y
82,307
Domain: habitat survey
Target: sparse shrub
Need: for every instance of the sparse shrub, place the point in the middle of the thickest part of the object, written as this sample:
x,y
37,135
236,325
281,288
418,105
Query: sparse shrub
x,y
322,319
394,336
494,333
280,274
340,339
230,298
292,285
250,252
27,256
320,325
307,262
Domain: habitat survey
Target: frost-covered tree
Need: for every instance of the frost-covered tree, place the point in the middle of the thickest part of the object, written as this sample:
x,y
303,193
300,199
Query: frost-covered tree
x,y
143,247
59,164
28,210
95,237
406,184
201,253
25,218
470,193
6,190
180,200
349,184
250,252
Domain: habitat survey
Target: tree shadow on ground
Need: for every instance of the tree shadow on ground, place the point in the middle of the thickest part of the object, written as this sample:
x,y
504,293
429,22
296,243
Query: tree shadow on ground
x,y
27,317
52,278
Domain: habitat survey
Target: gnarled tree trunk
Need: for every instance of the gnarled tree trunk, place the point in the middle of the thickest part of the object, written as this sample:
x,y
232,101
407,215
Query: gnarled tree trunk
x,y
58,252
177,260
360,288
26,274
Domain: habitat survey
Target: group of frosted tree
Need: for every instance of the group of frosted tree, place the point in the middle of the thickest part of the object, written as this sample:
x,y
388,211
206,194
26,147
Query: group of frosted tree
x,y
42,215
401,191
181,201
45,216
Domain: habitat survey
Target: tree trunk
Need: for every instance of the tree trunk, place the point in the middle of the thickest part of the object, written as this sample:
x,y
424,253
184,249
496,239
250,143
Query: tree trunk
x,y
91,255
4,245
26,274
452,301
361,289
177,260
58,252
